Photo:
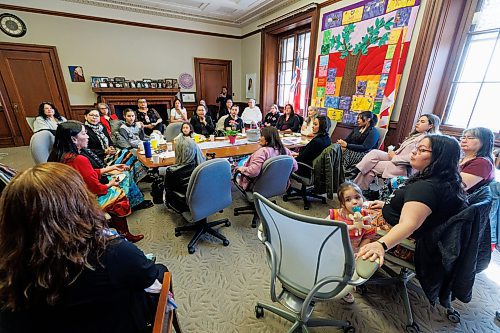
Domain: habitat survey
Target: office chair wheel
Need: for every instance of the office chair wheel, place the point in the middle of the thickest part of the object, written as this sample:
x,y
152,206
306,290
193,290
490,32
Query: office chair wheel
x,y
225,242
349,329
361,289
177,233
191,249
413,328
259,311
227,224
236,213
285,198
453,316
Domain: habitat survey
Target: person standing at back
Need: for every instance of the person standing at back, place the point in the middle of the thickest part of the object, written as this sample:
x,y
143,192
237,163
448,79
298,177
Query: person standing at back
x,y
221,99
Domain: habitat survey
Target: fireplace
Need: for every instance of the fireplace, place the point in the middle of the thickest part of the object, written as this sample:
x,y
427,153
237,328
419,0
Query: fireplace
x,y
118,99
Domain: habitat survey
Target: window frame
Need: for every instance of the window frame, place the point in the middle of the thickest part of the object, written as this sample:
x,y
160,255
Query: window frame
x,y
304,59
456,70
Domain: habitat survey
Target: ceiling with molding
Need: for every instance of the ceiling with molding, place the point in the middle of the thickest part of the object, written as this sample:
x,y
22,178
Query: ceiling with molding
x,y
235,13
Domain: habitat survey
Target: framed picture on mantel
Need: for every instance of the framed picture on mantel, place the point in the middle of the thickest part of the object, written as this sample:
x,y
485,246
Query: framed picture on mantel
x,y
188,97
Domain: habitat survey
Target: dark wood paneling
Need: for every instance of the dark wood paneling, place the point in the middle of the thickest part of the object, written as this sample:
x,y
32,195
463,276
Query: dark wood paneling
x,y
269,54
30,75
437,35
76,112
211,75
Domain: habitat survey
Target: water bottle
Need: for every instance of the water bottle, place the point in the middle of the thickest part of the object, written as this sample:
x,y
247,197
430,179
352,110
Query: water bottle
x,y
147,149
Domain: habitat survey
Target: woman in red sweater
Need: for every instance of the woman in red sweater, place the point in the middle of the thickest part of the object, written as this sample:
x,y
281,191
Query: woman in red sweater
x,y
111,196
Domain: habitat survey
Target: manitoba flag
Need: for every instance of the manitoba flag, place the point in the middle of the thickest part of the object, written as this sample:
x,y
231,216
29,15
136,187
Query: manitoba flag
x,y
294,96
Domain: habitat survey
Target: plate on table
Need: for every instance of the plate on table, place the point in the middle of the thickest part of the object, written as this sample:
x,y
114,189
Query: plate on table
x,y
120,177
220,138
297,134
287,134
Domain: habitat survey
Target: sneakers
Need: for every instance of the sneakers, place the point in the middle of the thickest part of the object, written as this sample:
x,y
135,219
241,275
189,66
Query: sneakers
x,y
349,298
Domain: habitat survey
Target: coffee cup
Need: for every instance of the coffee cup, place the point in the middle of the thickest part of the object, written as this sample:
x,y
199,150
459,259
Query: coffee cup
x,y
156,158
212,137
169,146
140,146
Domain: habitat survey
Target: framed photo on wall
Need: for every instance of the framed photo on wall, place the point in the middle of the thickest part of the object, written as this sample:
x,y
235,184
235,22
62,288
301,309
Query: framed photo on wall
x,y
188,97
250,83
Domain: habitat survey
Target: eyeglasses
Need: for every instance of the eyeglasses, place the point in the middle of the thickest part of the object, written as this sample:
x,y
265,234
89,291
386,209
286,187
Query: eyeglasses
x,y
93,115
467,138
103,108
420,150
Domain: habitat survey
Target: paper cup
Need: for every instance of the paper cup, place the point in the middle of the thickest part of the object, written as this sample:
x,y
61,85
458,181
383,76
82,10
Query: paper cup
x,y
212,137
169,146
156,159
154,143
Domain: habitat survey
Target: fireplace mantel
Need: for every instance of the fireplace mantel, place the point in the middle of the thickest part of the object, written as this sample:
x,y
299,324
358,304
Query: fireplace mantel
x,y
119,98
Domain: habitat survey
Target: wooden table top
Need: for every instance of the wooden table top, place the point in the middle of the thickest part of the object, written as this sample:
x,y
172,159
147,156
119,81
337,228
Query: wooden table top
x,y
228,151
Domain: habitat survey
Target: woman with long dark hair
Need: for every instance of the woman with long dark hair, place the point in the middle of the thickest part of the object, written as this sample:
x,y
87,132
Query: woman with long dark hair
x,y
314,148
288,121
48,118
271,146
359,142
428,198
115,196
61,268
394,163
476,166
202,123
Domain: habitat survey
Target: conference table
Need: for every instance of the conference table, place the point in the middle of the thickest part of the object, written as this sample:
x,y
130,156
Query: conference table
x,y
218,148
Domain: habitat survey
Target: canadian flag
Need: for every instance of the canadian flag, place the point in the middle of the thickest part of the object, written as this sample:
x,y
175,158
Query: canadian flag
x,y
390,86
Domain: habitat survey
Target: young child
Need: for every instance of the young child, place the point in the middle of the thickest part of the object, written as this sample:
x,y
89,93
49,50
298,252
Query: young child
x,y
351,199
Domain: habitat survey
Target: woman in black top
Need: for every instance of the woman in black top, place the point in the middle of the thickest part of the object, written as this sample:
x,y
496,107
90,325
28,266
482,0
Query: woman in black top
x,y
359,142
428,198
100,142
62,270
271,118
314,148
202,123
288,121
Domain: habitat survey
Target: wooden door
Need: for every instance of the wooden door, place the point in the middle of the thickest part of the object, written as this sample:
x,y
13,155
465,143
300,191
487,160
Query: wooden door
x,y
30,75
211,75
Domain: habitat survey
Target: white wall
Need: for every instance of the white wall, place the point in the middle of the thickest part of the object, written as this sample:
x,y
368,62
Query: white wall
x,y
250,62
105,49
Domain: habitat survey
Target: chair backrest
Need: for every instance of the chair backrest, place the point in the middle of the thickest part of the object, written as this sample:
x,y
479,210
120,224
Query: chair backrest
x,y
382,132
274,176
172,131
220,123
41,145
209,188
303,250
31,122
333,124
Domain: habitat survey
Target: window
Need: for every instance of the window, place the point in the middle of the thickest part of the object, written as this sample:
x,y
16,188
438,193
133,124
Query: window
x,y
291,47
476,84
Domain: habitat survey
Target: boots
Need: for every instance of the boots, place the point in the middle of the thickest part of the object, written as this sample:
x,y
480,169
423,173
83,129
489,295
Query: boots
x,y
120,224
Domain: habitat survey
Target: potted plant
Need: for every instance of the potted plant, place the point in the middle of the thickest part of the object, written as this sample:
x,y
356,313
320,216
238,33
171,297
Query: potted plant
x,y
231,134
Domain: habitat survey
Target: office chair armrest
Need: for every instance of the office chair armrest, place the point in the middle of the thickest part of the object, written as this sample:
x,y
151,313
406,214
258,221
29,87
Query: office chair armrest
x,y
364,270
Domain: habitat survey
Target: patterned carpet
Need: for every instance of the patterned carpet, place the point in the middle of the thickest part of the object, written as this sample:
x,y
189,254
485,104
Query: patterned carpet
x,y
217,287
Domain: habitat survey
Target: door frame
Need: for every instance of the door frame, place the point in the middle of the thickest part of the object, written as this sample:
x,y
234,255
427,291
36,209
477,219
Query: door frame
x,y
61,87
206,61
